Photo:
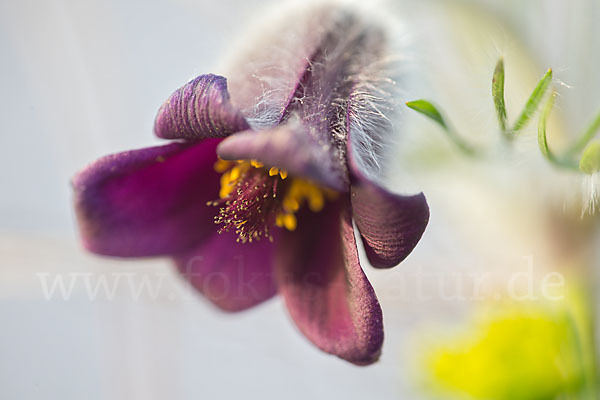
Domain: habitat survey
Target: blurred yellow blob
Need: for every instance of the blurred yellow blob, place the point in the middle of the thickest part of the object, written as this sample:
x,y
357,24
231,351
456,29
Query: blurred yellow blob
x,y
521,351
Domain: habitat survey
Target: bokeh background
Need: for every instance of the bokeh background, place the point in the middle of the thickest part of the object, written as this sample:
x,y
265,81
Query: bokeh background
x,y
81,79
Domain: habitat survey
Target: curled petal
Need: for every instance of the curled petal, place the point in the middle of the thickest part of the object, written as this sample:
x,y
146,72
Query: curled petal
x,y
390,224
290,147
234,276
200,109
148,202
325,289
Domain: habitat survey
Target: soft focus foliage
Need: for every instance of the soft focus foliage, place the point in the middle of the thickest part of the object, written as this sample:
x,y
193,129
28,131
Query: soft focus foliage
x,y
519,351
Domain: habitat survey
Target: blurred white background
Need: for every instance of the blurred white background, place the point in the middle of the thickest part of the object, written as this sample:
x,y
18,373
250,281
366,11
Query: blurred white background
x,y
81,79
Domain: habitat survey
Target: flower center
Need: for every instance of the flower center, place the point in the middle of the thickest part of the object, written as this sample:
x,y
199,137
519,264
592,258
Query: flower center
x,y
253,198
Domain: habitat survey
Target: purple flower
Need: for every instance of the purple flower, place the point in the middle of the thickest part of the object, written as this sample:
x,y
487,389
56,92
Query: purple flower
x,y
257,192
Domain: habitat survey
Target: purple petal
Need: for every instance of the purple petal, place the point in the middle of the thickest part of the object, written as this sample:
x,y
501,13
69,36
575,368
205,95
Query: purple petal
x,y
234,276
200,109
148,202
290,147
325,289
390,225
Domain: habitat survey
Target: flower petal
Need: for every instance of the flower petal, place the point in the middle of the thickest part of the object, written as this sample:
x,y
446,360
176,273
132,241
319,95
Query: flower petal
x,y
390,224
148,202
325,289
234,276
200,109
290,147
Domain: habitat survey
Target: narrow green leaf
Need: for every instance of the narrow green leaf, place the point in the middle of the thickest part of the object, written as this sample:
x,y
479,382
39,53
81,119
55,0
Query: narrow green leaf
x,y
533,102
590,160
498,93
586,137
426,108
543,141
429,110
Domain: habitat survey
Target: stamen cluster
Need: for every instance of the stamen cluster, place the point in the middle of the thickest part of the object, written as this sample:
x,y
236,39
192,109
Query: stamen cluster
x,y
253,198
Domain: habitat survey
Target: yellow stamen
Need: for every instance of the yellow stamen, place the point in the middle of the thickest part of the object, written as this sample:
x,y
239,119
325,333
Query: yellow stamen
x,y
225,179
273,171
279,220
290,222
291,204
222,165
296,192
316,201
227,184
234,174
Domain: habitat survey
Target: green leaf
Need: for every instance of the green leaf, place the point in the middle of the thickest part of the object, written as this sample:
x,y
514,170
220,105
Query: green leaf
x,y
533,102
498,93
586,137
590,160
543,141
429,110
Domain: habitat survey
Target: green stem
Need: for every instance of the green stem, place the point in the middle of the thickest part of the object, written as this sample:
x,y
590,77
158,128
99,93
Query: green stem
x,y
543,141
429,110
585,138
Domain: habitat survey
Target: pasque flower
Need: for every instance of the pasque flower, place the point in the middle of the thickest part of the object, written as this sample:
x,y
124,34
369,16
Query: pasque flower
x,y
258,190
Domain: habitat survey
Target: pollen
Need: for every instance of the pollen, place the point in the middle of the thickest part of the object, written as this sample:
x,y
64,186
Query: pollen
x,y
273,171
253,198
222,165
288,221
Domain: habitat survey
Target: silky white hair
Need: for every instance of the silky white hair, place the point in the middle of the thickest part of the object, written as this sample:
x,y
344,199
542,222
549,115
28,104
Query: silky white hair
x,y
265,67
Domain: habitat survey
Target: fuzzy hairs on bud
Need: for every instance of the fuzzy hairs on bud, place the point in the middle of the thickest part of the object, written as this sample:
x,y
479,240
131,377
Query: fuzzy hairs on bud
x,y
361,67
